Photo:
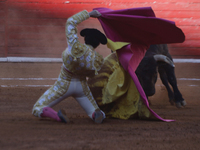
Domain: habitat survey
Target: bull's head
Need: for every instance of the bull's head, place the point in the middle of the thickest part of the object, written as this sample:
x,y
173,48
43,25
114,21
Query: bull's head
x,y
147,72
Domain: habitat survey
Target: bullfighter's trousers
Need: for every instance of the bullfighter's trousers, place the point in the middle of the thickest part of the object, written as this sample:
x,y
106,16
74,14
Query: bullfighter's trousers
x,y
67,85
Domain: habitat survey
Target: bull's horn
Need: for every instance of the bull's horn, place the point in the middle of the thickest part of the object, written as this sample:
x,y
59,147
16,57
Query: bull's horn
x,y
160,57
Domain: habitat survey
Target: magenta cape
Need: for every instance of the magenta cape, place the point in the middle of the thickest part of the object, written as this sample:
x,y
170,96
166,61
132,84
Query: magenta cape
x,y
140,28
130,61
138,25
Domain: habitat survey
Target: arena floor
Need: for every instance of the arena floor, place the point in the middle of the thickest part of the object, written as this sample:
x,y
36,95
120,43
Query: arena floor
x,y
23,83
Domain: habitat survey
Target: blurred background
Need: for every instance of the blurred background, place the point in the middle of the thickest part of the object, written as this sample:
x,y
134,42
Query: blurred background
x,y
36,28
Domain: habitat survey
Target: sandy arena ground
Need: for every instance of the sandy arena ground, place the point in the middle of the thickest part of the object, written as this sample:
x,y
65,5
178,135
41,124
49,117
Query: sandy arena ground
x,y
20,130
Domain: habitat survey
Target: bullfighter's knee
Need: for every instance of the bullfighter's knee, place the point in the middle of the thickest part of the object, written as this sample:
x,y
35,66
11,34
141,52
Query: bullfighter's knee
x,y
37,110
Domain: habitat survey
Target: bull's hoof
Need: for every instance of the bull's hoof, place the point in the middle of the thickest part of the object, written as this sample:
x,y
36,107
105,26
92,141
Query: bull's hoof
x,y
183,103
178,105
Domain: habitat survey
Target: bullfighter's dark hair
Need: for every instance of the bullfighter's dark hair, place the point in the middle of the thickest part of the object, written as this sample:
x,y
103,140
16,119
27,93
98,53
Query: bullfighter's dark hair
x,y
93,37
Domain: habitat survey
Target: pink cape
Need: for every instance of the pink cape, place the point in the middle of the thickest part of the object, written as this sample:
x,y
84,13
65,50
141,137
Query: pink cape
x,y
138,25
140,28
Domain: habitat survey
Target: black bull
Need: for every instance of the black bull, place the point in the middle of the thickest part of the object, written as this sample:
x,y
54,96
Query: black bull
x,y
149,68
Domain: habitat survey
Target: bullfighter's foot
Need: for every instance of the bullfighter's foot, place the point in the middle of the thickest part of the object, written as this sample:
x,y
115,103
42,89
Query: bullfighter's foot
x,y
63,117
98,116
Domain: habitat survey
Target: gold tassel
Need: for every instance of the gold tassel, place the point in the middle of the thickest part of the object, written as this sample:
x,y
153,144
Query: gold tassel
x,y
96,72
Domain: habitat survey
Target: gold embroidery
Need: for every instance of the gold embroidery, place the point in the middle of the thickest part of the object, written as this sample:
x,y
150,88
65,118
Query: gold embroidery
x,y
98,61
88,93
56,91
78,50
70,28
85,63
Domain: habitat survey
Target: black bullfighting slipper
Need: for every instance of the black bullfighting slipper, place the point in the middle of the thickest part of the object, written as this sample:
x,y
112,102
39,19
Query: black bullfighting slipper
x,y
98,116
62,115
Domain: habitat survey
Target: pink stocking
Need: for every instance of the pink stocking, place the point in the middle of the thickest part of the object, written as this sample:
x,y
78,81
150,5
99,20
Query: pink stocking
x,y
50,113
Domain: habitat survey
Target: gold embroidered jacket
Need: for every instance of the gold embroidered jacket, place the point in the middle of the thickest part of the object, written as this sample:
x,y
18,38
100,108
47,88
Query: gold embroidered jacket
x,y
80,59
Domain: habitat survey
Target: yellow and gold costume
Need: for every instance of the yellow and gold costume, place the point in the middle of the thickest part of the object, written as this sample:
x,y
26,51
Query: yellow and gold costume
x,y
116,93
79,61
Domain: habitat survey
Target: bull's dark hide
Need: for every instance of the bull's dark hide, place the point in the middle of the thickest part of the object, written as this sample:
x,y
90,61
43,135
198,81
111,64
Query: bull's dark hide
x,y
148,70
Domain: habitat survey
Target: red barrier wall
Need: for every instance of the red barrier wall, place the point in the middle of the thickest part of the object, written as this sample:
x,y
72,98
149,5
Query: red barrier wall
x,y
35,28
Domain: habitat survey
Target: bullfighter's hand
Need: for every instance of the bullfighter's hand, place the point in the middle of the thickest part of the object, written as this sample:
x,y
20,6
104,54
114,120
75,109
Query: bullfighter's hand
x,y
94,14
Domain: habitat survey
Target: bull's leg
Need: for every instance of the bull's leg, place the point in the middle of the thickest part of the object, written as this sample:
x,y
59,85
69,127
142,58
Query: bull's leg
x,y
164,79
172,80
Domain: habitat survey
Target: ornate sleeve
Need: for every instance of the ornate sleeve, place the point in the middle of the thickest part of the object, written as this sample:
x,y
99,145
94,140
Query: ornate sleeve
x,y
79,58
88,58
71,26
94,60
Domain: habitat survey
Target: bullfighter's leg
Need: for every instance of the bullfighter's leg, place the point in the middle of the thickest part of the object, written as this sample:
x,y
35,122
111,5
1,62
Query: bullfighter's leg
x,y
88,103
55,94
